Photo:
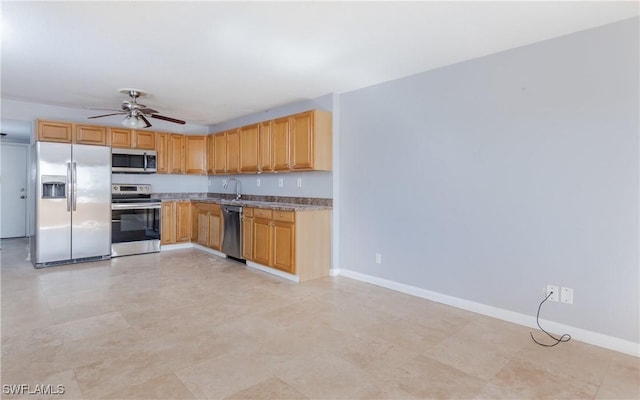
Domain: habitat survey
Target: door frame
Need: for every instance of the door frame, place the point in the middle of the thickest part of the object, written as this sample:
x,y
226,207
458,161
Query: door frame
x,y
28,185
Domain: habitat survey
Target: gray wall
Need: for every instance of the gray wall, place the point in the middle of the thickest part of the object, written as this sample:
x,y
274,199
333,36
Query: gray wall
x,y
488,179
314,184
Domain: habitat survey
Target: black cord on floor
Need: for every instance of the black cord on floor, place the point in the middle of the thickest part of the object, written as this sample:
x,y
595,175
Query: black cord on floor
x,y
564,338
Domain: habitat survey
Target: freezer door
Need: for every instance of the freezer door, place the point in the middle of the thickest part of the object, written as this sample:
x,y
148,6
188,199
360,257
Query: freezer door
x,y
53,214
91,201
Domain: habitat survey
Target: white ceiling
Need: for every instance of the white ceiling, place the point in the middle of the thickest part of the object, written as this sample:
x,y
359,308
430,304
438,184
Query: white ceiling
x,y
209,62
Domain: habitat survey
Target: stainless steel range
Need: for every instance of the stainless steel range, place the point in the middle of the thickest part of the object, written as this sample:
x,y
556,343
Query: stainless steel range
x,y
135,220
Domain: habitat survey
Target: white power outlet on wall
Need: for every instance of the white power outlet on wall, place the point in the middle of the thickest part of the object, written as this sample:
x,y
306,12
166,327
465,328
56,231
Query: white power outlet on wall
x,y
555,295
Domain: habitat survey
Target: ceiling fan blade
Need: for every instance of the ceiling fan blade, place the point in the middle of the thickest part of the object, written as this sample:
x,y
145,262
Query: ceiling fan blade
x,y
162,117
146,121
148,111
101,109
108,115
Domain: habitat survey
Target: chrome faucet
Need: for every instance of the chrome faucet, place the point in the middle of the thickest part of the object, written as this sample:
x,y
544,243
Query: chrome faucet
x,y
238,186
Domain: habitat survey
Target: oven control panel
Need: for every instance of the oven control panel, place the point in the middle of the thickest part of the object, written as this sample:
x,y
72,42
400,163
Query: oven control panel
x,y
124,188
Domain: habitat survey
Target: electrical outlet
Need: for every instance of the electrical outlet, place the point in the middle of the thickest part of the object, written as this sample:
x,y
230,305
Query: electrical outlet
x,y
566,295
378,258
280,182
224,182
299,182
555,295
258,182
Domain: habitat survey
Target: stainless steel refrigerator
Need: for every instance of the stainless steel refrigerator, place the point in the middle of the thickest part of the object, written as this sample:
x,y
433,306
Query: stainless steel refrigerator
x,y
73,204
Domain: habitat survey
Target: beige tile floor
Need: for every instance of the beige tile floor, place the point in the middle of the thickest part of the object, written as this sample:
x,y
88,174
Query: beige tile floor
x,y
185,324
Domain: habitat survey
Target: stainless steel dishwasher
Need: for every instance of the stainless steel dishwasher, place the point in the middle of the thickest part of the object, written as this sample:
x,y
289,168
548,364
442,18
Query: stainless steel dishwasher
x,y
232,236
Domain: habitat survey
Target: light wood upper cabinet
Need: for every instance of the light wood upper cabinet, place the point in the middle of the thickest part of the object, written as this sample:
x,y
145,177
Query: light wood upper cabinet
x,y
233,151
265,161
52,131
121,137
220,158
162,148
211,154
249,148
90,134
144,140
176,154
311,141
280,144
196,154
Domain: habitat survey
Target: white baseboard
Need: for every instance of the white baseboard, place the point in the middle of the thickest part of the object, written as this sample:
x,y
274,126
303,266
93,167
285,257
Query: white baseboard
x,y
177,246
294,278
208,250
594,338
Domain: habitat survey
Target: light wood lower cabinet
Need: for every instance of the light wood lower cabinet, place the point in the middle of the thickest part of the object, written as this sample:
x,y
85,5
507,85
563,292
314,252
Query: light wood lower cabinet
x,y
208,219
176,222
296,242
247,233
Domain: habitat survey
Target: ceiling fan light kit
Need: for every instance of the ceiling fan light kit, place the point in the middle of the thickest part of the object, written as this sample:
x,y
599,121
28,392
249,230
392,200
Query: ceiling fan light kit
x,y
135,112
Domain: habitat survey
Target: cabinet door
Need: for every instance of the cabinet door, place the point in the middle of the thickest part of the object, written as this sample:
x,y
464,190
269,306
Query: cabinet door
x,y
203,226
168,223
144,140
249,145
183,221
52,131
195,151
162,148
265,161
302,141
284,246
280,144
215,229
120,137
262,241
90,134
220,159
233,151
247,238
176,154
211,154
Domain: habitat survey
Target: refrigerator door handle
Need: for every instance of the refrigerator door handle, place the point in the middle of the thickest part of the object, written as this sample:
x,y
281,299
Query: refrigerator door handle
x,y
68,187
75,186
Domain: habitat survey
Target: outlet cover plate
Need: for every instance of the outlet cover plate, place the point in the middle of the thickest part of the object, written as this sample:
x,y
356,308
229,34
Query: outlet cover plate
x,y
555,289
566,295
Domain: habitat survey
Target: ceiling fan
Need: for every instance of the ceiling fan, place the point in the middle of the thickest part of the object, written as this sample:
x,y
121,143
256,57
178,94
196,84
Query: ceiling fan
x,y
136,113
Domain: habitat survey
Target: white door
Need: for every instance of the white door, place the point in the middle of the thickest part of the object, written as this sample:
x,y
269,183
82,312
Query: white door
x,y
13,185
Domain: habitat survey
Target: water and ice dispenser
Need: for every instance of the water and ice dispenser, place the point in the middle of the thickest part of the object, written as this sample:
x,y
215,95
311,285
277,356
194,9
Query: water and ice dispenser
x,y
54,187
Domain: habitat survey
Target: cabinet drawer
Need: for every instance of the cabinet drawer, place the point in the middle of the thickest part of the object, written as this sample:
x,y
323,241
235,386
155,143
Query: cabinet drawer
x,y
288,216
247,212
261,213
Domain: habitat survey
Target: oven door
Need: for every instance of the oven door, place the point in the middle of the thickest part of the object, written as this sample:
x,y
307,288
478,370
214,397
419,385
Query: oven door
x,y
135,228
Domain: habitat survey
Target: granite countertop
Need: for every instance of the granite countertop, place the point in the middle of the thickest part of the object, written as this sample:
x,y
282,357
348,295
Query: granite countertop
x,y
271,202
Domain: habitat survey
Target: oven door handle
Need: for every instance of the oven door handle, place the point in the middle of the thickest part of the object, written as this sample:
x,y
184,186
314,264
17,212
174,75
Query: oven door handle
x,y
145,206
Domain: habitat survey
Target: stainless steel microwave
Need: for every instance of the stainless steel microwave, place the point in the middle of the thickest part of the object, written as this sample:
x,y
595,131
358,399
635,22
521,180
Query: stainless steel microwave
x,y
134,161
